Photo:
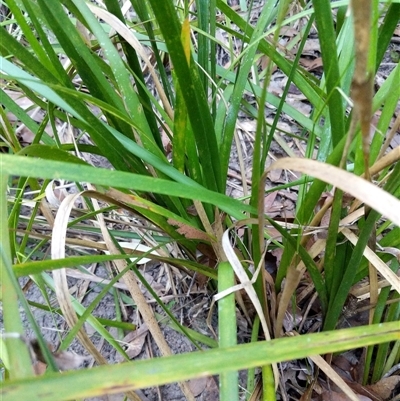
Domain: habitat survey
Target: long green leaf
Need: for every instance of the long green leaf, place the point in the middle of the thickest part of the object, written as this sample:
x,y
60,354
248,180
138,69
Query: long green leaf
x,y
193,93
265,18
27,167
227,332
146,373
16,349
117,155
327,36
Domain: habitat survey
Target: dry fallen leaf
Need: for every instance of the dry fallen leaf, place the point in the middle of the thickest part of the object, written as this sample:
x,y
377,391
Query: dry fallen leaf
x,y
39,368
269,201
135,341
65,360
387,387
197,386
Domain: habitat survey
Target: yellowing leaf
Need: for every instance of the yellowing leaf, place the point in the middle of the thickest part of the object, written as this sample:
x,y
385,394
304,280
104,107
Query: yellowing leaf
x,y
185,37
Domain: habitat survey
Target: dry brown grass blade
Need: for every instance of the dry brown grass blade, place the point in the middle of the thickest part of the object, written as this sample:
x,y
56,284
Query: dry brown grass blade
x,y
247,285
331,374
126,33
319,246
316,249
361,189
142,305
60,279
390,136
389,159
373,196
377,262
61,284
362,89
292,280
59,276
379,265
362,93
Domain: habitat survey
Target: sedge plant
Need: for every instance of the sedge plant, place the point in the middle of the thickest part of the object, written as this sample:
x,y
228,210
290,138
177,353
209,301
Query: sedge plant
x,y
141,88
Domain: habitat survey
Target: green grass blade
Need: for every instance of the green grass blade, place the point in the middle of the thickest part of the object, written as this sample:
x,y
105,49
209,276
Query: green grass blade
x,y
134,64
265,19
143,10
17,351
129,97
229,383
330,261
146,373
42,49
337,302
117,155
306,85
326,33
24,166
312,268
193,93
386,30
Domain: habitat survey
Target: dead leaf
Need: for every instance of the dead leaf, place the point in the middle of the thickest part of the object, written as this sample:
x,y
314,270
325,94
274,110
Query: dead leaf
x,y
292,318
387,387
135,341
269,201
187,231
26,136
135,245
247,125
276,88
289,195
55,193
211,392
65,360
274,177
197,386
277,252
39,368
158,288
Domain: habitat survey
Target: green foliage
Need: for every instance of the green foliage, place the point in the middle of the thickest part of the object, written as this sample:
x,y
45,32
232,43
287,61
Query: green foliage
x,y
169,145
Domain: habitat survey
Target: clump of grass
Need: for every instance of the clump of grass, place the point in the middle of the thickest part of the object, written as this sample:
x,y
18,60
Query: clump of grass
x,y
141,89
